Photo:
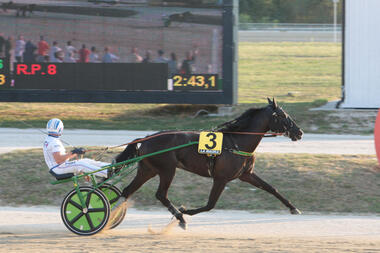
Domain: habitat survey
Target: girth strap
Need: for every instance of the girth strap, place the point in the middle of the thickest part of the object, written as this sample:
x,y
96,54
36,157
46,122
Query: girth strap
x,y
211,165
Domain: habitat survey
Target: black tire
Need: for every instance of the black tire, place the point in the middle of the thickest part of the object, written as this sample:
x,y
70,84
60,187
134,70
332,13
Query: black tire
x,y
113,194
90,222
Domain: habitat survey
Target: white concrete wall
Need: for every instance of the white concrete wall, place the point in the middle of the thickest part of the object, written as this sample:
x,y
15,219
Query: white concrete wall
x,y
362,54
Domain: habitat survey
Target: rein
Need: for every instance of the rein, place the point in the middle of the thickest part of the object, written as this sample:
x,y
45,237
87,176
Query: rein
x,y
236,152
139,140
173,132
253,133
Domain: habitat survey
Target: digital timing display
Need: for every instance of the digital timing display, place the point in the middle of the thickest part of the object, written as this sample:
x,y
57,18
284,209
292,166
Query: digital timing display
x,y
90,76
119,76
196,82
36,69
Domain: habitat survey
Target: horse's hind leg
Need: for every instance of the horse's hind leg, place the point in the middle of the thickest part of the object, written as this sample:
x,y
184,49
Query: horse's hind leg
x,y
216,191
254,180
166,178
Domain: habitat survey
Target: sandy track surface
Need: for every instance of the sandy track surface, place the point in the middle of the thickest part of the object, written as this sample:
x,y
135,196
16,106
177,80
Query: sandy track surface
x,y
41,230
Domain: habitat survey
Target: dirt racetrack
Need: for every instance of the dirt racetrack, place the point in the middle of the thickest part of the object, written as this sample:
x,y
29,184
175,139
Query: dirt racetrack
x,y
41,230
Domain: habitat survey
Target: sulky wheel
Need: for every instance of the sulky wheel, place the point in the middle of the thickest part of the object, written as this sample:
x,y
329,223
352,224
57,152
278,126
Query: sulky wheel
x,y
113,194
87,221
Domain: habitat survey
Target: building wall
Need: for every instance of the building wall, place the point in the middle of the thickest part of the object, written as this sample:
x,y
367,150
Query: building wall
x,y
362,54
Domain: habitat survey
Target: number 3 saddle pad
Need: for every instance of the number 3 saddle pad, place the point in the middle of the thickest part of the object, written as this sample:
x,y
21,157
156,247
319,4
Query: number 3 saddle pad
x,y
210,143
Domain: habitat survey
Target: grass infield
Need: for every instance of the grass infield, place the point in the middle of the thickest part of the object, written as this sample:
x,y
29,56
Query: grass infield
x,y
313,183
293,72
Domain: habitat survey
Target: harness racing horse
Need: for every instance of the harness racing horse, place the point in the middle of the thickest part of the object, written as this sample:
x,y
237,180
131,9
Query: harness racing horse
x,y
229,165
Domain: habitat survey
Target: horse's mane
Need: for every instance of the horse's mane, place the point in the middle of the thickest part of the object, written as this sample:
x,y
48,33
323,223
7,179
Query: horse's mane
x,y
240,123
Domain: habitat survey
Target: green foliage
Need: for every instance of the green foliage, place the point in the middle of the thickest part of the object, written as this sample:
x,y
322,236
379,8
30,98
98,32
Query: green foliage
x,y
245,18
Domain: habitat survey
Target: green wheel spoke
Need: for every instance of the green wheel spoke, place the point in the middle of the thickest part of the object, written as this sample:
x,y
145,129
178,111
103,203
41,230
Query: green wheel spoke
x,y
76,218
88,199
93,210
75,204
89,221
114,200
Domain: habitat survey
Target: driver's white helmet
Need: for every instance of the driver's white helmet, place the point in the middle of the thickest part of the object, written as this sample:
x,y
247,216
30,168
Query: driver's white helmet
x,y
54,126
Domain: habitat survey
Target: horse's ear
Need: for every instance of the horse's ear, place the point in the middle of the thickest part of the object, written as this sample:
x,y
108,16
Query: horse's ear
x,y
274,104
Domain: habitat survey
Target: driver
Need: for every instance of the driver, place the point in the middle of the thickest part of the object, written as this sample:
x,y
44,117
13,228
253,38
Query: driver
x,y
58,161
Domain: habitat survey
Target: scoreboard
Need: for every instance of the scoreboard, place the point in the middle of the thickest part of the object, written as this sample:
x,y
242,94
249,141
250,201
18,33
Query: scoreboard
x,y
202,35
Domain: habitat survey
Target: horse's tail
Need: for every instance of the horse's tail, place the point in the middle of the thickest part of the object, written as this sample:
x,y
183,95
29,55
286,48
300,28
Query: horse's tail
x,y
129,152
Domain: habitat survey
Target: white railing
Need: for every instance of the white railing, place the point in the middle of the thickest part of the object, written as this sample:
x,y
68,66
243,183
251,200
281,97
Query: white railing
x,y
288,27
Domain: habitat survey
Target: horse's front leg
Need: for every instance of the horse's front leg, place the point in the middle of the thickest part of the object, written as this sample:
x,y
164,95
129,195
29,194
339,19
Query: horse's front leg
x,y
216,191
254,180
166,179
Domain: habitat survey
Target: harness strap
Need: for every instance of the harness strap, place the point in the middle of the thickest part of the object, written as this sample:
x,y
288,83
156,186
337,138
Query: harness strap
x,y
238,152
242,153
211,165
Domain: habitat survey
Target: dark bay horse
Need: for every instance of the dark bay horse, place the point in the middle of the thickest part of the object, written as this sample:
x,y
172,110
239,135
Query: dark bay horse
x,y
226,167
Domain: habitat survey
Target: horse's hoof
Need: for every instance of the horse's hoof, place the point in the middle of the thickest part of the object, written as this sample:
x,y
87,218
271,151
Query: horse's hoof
x,y
295,211
183,225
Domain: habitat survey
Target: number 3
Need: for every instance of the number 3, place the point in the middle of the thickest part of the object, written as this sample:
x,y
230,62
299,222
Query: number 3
x,y
212,139
2,79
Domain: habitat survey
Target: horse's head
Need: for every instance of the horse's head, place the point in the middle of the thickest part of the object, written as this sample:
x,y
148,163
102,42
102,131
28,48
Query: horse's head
x,y
281,122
